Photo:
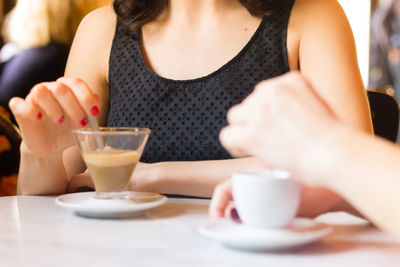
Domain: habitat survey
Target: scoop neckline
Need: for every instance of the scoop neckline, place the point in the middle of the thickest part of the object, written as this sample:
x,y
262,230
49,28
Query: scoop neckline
x,y
210,75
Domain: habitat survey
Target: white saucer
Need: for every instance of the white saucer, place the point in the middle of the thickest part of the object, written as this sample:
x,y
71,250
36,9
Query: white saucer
x,y
300,232
85,204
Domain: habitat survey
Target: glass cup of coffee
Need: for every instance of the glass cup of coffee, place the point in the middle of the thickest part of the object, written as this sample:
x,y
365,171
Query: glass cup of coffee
x,y
111,155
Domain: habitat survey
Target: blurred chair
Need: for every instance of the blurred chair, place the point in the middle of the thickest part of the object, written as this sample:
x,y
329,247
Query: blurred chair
x,y
10,140
385,115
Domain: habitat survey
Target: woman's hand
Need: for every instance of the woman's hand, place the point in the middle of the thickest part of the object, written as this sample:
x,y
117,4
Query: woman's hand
x,y
50,112
140,180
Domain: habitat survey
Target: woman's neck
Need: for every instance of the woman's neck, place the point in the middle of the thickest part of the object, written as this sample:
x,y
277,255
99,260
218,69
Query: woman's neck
x,y
194,11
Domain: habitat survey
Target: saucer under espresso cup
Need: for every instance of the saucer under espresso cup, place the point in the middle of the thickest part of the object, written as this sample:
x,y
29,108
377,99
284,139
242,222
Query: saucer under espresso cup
x,y
266,199
299,232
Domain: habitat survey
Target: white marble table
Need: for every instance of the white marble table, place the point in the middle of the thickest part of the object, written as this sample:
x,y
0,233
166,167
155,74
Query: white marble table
x,y
36,232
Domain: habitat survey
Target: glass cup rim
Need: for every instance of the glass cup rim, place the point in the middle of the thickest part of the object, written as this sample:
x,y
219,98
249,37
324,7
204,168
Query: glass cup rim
x,y
113,131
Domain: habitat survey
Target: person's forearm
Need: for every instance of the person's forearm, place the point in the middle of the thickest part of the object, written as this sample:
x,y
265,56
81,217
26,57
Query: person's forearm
x,y
41,176
318,200
365,170
197,178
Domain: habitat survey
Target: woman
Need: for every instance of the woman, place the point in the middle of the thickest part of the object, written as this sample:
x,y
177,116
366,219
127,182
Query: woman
x,y
176,67
39,34
316,147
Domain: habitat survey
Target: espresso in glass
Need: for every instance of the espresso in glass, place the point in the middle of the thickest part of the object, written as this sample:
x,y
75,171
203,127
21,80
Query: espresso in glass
x,y
111,169
111,154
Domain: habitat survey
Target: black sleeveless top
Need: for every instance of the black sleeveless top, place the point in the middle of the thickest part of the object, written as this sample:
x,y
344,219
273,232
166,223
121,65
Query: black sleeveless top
x,y
186,116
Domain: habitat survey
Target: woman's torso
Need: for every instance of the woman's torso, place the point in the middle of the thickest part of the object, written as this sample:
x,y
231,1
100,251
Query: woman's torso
x,y
186,116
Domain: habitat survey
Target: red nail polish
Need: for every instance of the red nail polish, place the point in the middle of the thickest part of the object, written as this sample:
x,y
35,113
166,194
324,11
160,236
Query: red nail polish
x,y
61,119
95,111
84,122
39,116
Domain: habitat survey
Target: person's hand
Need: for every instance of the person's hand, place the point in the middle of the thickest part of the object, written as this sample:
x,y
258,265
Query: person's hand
x,y
140,180
278,122
221,205
51,111
81,182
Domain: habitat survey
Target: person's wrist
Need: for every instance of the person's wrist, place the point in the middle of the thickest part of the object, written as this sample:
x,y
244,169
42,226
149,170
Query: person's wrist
x,y
147,177
155,176
26,152
321,155
32,166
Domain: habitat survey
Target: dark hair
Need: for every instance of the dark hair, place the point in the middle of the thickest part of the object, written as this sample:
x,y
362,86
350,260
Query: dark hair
x,y
133,14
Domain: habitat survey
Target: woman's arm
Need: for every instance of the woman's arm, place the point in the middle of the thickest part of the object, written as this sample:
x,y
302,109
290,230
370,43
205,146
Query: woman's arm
x,y
88,60
46,117
190,178
328,59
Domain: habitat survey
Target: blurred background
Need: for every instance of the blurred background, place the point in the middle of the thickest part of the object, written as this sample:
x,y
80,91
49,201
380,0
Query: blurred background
x,y
385,47
36,36
35,39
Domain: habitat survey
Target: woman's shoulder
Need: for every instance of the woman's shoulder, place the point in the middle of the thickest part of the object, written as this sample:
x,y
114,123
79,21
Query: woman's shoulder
x,y
94,35
89,54
318,13
325,6
100,21
312,19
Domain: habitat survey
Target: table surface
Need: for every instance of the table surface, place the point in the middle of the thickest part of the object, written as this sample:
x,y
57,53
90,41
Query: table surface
x,y
34,231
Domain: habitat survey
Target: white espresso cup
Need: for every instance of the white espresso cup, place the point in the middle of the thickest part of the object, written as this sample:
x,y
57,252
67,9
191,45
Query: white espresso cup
x,y
266,199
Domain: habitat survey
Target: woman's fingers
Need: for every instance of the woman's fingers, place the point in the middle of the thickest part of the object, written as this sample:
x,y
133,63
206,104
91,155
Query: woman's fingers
x,y
89,101
23,110
221,198
66,98
44,98
52,110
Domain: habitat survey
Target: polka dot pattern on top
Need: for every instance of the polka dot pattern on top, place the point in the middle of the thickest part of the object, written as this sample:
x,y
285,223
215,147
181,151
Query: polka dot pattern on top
x,y
186,116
